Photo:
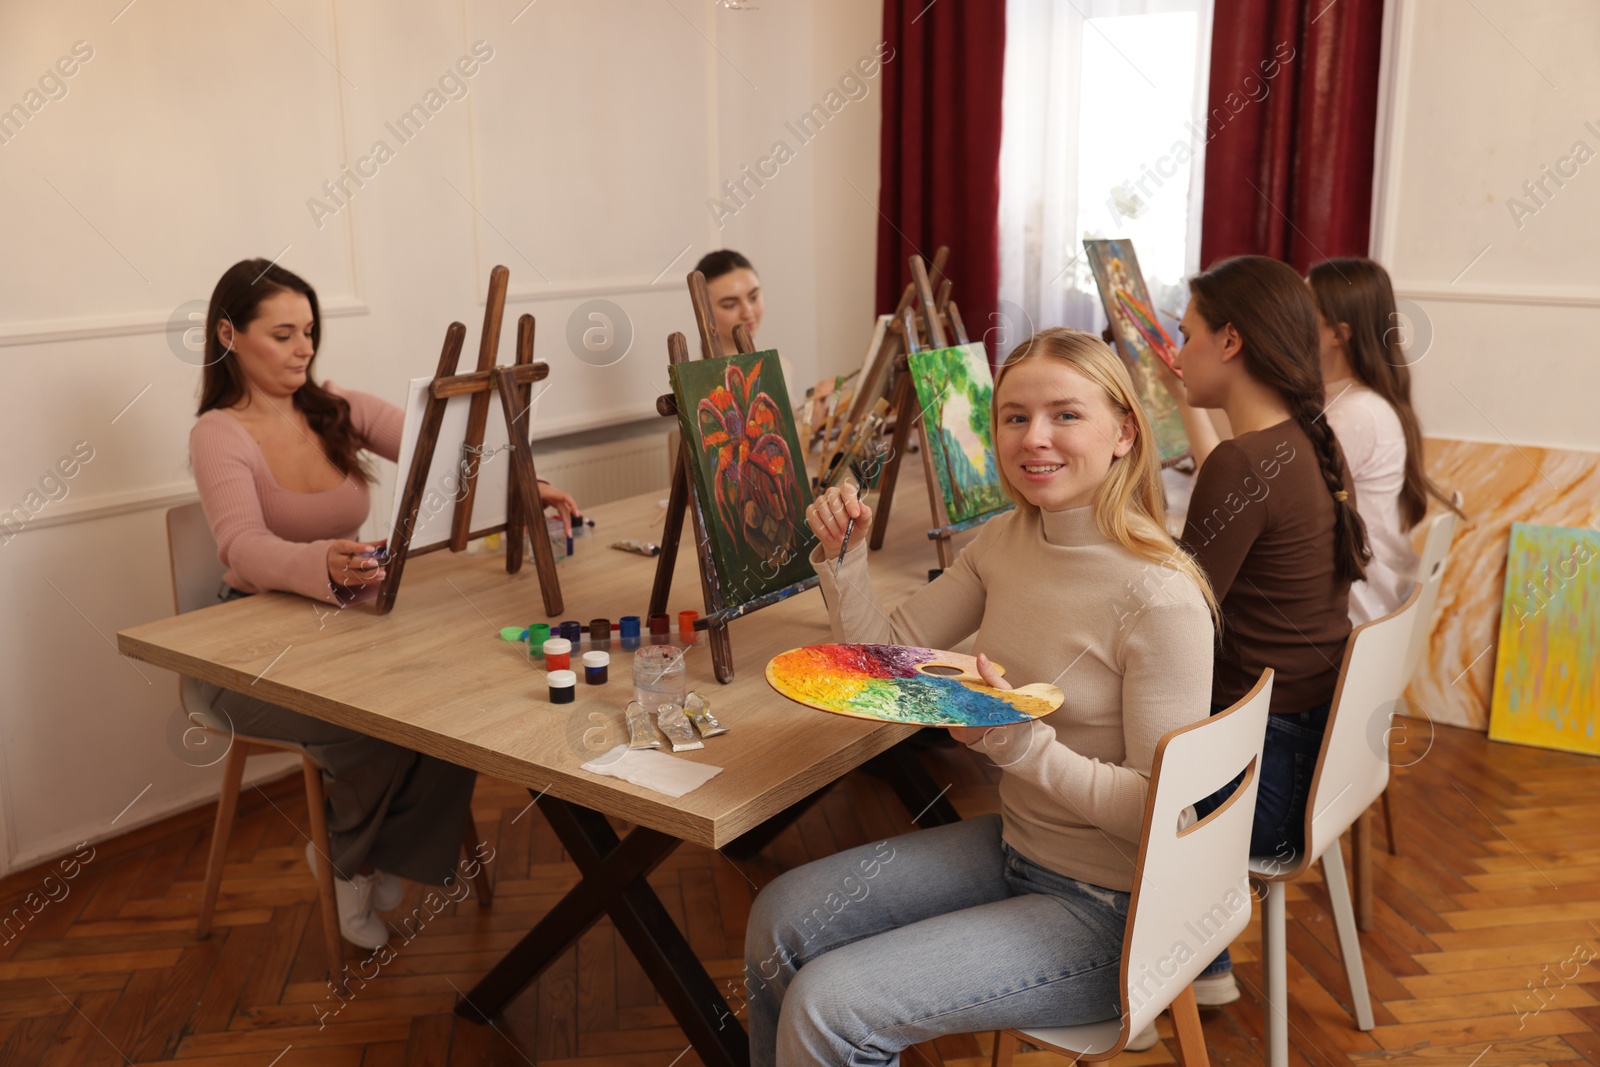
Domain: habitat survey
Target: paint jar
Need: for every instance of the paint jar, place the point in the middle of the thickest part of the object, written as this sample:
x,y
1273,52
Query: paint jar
x,y
572,630
596,667
686,626
630,631
563,687
660,629
600,634
558,654
658,676
538,634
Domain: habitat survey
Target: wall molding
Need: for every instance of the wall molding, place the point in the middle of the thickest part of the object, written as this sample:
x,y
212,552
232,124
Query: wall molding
x,y
92,327
1527,295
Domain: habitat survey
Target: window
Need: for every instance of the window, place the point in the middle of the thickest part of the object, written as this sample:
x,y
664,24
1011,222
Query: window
x,y
1104,137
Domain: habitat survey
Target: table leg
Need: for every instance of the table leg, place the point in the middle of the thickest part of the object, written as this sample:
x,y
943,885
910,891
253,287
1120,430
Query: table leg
x,y
910,780
613,883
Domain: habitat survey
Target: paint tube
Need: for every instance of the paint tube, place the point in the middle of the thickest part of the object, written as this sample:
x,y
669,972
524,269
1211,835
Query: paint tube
x,y
675,725
640,733
698,708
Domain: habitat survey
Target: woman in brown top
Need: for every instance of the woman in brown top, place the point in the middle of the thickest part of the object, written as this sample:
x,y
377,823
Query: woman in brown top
x,y
1273,523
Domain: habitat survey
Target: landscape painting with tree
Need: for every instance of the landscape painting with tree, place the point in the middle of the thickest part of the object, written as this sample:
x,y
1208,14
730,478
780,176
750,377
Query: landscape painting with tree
x,y
954,389
747,465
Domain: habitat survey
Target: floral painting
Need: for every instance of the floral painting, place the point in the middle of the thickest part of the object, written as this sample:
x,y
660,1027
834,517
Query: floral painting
x,y
747,464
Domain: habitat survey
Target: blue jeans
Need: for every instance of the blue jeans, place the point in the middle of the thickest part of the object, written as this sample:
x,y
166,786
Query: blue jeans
x,y
851,958
1288,763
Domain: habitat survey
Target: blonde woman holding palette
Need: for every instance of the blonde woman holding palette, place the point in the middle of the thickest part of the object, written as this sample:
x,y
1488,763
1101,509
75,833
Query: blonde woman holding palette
x,y
1012,919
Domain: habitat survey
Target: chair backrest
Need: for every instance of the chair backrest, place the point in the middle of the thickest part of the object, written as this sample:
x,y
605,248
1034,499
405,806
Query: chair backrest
x,y
196,576
1353,763
1193,894
196,570
1430,572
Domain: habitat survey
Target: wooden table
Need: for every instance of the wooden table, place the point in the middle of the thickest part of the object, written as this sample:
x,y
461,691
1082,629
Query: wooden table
x,y
435,676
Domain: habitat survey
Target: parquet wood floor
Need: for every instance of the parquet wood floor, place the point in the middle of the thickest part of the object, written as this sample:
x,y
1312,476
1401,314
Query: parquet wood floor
x,y
1483,926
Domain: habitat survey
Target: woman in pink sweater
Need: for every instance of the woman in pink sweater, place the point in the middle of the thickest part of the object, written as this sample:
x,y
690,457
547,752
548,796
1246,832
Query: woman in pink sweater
x,y
277,459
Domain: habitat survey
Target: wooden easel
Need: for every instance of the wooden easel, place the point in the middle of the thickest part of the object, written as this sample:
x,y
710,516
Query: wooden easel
x,y
936,315
717,613
524,509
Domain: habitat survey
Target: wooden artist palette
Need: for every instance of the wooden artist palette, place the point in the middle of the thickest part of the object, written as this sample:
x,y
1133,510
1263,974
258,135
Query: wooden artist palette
x,y
896,683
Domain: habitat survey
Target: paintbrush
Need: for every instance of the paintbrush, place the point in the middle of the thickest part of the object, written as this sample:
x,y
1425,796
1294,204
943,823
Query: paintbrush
x,y
870,453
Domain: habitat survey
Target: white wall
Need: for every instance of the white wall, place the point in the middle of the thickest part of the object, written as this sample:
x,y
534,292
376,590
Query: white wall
x,y
581,156
1481,98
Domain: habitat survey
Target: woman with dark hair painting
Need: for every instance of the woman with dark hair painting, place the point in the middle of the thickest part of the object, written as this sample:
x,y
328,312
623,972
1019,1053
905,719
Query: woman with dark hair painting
x,y
735,291
1274,526
278,462
1369,407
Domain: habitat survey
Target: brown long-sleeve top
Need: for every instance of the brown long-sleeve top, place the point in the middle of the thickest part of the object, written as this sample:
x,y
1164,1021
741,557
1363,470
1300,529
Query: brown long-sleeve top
x,y
1260,524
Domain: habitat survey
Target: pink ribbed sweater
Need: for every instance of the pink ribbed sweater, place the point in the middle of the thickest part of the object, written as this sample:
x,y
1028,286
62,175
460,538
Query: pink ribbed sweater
x,y
267,536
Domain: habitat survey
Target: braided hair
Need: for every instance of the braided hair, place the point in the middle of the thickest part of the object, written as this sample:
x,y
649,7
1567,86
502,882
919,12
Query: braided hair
x,y
1272,310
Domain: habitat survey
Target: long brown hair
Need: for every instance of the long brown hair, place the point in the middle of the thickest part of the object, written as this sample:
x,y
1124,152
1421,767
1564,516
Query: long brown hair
x,y
1357,293
237,298
1130,507
1272,310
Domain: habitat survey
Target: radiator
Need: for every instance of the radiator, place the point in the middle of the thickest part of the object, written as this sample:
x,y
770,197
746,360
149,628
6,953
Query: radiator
x,y
601,473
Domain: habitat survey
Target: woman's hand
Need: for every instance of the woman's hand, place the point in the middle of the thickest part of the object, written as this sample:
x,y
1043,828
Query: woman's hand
x,y
832,511
566,507
991,677
1170,380
352,563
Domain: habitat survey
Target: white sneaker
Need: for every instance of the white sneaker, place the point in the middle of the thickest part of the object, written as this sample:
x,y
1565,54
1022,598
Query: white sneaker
x,y
1143,1041
1215,990
357,923
387,890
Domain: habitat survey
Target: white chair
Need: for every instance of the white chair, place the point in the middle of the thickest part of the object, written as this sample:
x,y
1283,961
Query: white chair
x,y
1192,884
196,582
1441,532
1351,773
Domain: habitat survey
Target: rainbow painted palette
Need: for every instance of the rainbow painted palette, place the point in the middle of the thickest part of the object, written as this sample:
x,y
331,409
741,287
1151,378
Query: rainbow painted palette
x,y
894,683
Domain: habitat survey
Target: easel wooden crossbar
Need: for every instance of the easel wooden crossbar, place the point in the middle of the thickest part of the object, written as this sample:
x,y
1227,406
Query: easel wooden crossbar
x,y
524,510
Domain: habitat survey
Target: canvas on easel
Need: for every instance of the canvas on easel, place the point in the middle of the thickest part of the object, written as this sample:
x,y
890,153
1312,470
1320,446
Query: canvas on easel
x,y
745,517
1140,339
463,462
935,321
955,389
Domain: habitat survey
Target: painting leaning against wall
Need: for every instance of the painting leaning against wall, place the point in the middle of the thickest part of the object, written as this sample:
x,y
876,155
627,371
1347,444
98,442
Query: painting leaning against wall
x,y
1546,689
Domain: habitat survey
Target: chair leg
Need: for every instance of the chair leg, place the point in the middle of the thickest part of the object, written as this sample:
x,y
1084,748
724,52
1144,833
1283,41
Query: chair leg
x,y
1388,818
227,804
1361,868
481,883
1005,1047
333,943
1191,1040
1274,960
1344,919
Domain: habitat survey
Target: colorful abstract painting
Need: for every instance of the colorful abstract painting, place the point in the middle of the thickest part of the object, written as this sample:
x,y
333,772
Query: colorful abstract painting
x,y
895,683
1139,335
1546,691
748,470
954,390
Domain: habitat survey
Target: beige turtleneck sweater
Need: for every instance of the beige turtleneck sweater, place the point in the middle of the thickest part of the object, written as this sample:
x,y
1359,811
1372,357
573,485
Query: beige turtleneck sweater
x,y
1129,643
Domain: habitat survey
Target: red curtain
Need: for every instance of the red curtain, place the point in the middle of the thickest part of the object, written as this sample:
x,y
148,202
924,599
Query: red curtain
x,y
1291,122
940,177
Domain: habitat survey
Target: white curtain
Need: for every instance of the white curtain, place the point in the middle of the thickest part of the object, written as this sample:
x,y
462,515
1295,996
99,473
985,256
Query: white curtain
x,y
1099,97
